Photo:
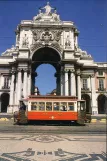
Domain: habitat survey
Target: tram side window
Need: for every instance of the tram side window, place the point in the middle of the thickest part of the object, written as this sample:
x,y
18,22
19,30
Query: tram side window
x,y
41,106
56,106
63,106
70,106
48,106
34,106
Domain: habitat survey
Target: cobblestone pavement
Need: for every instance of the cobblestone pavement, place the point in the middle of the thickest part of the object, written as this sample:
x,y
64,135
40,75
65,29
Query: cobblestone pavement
x,y
56,147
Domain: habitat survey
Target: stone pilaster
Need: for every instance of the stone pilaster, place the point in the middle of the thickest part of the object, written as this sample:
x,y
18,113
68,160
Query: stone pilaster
x,y
72,84
79,85
29,83
19,85
62,83
93,96
34,74
58,82
12,88
66,83
0,103
25,83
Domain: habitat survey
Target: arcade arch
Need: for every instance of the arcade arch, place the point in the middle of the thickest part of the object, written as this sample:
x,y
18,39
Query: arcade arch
x,y
4,101
42,56
102,104
88,102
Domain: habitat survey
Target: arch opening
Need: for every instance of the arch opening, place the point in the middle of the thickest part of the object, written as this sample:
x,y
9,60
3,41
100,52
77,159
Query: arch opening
x,y
4,102
102,104
86,97
45,63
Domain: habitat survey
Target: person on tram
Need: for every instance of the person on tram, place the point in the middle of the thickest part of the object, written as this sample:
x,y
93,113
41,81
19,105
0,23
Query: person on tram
x,y
22,106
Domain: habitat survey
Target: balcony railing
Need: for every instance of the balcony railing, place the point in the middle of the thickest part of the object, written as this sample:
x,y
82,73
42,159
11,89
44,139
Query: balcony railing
x,y
5,87
101,89
85,89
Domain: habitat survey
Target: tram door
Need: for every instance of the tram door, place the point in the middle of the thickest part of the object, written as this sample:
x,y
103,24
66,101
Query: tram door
x,y
81,112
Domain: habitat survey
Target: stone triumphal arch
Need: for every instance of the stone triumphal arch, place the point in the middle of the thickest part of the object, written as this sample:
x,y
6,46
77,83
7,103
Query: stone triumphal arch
x,y
46,39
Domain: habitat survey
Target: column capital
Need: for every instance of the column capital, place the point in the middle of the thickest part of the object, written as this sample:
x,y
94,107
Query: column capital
x,y
25,70
78,74
13,72
19,69
92,75
66,70
72,70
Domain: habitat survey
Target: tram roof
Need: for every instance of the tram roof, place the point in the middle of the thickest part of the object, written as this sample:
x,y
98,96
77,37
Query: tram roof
x,y
53,97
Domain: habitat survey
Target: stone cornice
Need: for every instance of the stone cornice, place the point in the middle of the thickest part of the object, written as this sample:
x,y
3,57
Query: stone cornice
x,y
23,60
69,61
64,24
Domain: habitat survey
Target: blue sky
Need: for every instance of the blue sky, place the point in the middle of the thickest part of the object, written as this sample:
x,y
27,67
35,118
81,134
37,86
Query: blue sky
x,y
90,17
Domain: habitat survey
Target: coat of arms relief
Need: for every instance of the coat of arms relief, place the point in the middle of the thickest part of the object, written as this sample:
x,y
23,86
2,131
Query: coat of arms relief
x,y
46,37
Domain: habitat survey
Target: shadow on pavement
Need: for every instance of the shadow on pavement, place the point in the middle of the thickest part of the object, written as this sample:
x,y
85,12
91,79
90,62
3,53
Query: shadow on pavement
x,y
51,123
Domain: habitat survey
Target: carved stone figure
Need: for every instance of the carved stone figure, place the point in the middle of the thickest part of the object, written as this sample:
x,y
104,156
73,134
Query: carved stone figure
x,y
68,42
25,41
55,16
39,16
9,52
48,9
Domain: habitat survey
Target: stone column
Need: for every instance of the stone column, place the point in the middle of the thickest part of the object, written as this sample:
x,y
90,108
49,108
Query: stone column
x,y
25,83
19,85
29,83
34,74
58,77
62,83
72,84
12,89
0,103
89,83
79,85
2,81
66,83
93,96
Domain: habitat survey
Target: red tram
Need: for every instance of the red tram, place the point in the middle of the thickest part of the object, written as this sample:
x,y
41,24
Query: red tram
x,y
56,108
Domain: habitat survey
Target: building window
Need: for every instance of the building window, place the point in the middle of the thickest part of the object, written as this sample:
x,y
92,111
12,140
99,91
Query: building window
x,y
100,72
101,84
6,83
84,83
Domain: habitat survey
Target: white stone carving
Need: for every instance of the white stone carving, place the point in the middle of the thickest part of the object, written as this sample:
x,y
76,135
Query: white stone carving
x,y
55,16
25,41
57,34
46,36
39,16
9,52
67,42
48,9
36,35
47,15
